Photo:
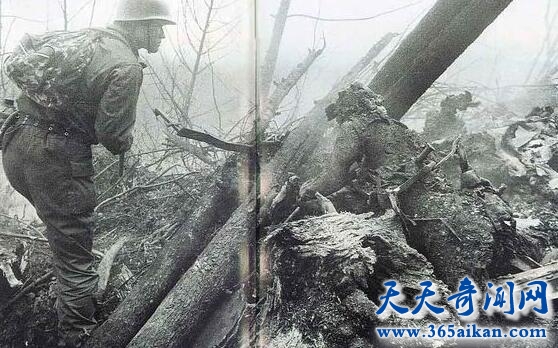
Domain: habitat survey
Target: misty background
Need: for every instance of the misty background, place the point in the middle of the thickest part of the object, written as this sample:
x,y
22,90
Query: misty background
x,y
507,65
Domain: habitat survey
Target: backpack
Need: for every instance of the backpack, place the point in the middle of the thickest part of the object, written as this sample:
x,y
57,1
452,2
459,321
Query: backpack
x,y
52,80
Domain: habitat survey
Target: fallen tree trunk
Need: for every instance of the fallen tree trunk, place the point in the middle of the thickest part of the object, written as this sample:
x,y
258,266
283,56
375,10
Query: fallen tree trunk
x,y
181,252
270,61
440,37
213,210
301,143
342,261
217,271
201,290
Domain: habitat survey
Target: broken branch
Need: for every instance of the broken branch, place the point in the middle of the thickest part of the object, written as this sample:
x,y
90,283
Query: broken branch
x,y
287,83
135,188
209,139
26,289
23,236
24,224
41,239
103,270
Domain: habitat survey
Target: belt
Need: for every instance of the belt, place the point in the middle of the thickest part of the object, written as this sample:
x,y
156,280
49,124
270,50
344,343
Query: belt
x,y
52,127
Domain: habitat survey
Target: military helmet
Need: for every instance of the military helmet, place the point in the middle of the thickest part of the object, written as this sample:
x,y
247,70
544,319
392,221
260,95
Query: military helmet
x,y
141,10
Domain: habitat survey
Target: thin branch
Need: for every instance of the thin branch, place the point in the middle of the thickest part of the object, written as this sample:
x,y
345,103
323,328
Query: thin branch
x,y
190,91
26,289
24,224
24,236
354,19
105,169
219,115
76,13
287,83
41,239
23,18
136,188
120,179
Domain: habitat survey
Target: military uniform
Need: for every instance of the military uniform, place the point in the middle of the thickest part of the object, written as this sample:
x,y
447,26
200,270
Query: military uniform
x,y
47,158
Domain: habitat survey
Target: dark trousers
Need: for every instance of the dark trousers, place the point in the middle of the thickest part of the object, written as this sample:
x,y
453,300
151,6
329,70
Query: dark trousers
x,y
54,173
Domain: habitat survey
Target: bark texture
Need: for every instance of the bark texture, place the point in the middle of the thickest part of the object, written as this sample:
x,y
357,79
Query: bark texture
x,y
218,270
436,42
323,276
180,253
179,316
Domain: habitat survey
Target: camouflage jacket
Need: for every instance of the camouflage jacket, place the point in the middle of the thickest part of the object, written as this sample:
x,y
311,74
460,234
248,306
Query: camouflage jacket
x,y
106,110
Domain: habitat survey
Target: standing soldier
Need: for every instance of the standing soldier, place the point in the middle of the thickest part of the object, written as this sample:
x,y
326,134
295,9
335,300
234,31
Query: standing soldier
x,y
47,150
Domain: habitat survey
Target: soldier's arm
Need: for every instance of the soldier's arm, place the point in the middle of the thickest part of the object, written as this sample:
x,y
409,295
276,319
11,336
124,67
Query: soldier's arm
x,y
117,109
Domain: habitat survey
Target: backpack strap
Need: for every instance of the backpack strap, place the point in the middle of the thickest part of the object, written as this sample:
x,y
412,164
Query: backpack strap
x,y
115,34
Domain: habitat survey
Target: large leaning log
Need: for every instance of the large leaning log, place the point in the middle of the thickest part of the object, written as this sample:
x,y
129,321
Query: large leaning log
x,y
440,37
210,280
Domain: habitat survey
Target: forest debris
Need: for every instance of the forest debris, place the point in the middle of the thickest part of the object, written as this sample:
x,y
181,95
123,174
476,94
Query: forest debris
x,y
547,272
27,289
283,203
341,262
136,188
120,281
7,260
23,252
123,276
292,215
444,222
419,161
29,226
445,122
6,268
283,88
325,204
424,171
23,236
103,270
524,263
97,253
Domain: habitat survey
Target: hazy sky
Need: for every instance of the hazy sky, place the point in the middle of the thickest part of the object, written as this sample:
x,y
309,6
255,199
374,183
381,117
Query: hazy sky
x,y
503,55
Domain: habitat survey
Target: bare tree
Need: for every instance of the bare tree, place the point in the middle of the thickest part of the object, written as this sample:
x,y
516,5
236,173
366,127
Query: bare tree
x,y
268,67
92,12
65,13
